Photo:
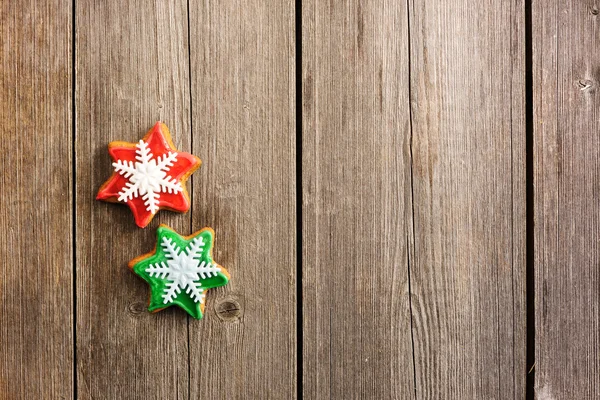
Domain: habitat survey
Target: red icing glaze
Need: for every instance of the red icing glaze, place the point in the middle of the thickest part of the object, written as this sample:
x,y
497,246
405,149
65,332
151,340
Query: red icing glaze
x,y
159,142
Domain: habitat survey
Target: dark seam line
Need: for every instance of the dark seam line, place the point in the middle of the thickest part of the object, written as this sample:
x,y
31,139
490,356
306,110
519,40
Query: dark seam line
x,y
299,193
74,195
412,339
191,194
512,227
412,195
529,231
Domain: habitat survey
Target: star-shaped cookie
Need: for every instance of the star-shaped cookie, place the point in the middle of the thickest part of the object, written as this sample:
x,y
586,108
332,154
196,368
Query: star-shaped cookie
x,y
180,270
149,175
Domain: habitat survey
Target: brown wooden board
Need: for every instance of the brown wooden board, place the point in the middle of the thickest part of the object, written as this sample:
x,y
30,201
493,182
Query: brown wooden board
x,y
36,247
132,70
356,200
468,147
411,198
243,97
566,76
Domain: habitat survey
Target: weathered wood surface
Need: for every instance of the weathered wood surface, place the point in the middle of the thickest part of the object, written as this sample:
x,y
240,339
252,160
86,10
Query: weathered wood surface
x,y
356,200
413,198
468,265
36,247
466,202
132,70
567,212
243,97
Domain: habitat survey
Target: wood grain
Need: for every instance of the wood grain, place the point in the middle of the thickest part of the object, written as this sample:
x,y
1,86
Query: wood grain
x,y
356,200
36,248
132,70
413,194
567,211
468,146
243,96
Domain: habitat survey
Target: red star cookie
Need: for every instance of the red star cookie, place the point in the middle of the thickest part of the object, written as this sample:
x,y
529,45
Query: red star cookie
x,y
149,175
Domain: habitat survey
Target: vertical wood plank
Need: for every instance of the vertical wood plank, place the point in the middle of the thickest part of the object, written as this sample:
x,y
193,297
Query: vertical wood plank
x,y
356,207
243,96
36,248
132,70
468,269
566,184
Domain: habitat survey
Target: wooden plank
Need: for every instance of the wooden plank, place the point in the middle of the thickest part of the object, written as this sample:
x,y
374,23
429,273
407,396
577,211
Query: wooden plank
x,y
468,269
567,212
243,96
356,208
132,70
36,289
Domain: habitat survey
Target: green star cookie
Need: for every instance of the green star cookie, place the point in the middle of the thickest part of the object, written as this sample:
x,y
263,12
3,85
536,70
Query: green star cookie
x,y
180,270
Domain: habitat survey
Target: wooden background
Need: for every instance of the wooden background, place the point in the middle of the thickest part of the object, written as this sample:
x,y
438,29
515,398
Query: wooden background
x,y
404,192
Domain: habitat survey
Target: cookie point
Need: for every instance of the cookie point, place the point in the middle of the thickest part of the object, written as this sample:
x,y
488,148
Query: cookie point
x,y
197,311
208,229
142,224
161,127
163,227
225,273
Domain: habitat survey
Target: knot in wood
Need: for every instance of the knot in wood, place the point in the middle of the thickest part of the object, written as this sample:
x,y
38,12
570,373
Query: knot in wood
x,y
585,85
136,308
594,10
228,310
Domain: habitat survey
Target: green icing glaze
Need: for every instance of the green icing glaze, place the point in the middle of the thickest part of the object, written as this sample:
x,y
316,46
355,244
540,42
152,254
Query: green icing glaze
x,y
162,272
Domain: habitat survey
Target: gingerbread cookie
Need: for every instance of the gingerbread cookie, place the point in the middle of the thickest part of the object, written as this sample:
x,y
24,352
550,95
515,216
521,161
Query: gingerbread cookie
x,y
149,175
180,270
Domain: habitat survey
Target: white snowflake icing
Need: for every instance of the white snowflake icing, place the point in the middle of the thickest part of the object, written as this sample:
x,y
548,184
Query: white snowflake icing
x,y
182,270
147,177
